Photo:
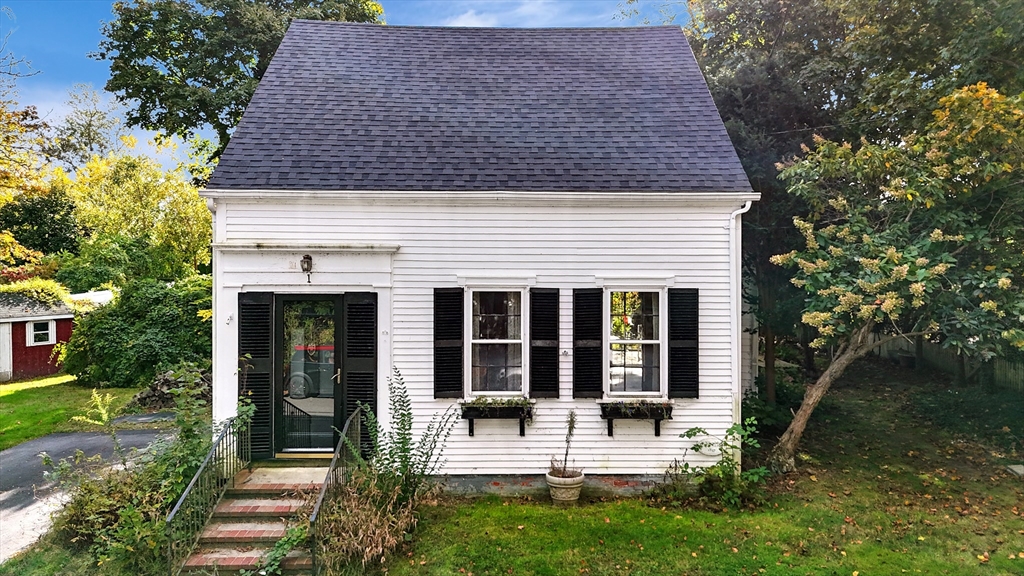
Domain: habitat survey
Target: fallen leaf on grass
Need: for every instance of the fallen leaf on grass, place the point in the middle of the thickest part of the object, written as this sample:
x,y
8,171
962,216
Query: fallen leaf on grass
x,y
520,527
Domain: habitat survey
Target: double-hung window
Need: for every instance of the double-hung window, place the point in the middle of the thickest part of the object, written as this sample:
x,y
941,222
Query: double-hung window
x,y
634,342
41,333
496,343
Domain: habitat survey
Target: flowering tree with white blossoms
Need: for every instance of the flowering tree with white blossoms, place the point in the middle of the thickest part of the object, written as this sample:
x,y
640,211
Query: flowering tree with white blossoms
x,y
924,236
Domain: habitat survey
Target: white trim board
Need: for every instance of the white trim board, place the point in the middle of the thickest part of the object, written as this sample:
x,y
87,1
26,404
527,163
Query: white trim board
x,y
6,353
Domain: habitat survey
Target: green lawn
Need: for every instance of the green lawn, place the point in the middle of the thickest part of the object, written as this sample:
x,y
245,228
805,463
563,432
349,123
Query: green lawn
x,y
35,408
880,492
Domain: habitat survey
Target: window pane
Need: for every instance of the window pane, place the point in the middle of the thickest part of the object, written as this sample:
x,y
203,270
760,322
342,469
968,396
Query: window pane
x,y
497,367
634,368
634,316
40,332
496,316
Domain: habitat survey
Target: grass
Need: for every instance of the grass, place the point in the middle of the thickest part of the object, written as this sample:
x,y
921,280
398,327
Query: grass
x,y
991,415
880,491
35,408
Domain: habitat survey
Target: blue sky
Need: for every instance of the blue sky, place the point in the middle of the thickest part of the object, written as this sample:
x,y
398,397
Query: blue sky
x,y
56,35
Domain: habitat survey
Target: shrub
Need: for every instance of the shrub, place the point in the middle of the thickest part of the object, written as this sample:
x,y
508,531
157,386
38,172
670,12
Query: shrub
x,y
46,291
366,520
151,326
376,506
722,483
119,514
396,459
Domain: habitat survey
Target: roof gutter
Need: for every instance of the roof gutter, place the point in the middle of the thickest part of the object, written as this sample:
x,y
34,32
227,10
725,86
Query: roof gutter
x,y
489,196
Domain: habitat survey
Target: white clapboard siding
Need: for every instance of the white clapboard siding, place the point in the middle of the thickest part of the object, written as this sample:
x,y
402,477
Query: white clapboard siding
x,y
438,245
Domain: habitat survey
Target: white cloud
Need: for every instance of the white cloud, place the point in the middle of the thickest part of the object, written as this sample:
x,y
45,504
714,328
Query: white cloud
x,y
470,18
505,13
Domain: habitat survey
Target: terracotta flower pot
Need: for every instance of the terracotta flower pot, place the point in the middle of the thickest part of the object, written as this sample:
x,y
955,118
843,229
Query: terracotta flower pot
x,y
564,490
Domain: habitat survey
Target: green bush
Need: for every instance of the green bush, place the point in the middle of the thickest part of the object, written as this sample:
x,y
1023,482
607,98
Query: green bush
x,y
369,515
107,260
119,514
720,484
151,326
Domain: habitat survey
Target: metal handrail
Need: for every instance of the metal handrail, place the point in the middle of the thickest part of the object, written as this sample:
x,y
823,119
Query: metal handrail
x,y
230,452
336,476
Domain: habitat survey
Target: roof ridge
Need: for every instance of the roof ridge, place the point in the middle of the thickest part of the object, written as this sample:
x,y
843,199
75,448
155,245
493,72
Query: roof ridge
x,y
522,28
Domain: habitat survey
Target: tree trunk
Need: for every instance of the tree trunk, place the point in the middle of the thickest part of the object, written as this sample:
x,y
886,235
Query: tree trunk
x,y
961,370
919,353
783,456
769,364
805,343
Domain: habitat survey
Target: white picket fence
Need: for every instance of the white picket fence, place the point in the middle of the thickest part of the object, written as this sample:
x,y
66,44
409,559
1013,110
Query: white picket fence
x,y
1004,374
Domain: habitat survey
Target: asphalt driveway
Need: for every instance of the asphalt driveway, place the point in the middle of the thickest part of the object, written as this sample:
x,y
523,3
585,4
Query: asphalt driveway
x,y
27,500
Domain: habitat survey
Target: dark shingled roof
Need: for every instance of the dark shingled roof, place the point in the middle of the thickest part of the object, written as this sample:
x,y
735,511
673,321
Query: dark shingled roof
x,y
368,107
18,306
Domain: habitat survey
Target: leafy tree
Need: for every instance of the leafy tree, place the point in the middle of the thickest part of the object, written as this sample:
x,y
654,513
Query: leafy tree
x,y
42,220
916,237
13,254
89,129
134,197
107,261
901,56
190,64
150,327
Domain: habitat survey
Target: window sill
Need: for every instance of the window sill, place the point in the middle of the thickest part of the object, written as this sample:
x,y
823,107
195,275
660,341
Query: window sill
x,y
30,344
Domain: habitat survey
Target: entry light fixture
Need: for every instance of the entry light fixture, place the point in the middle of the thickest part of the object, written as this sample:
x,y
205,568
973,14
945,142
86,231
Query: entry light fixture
x,y
307,266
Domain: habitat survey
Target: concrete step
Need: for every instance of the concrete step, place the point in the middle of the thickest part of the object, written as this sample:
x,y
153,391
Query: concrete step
x,y
224,561
277,481
257,507
242,532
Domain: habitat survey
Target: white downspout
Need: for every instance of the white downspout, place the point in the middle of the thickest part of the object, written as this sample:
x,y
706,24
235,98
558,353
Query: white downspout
x,y
736,305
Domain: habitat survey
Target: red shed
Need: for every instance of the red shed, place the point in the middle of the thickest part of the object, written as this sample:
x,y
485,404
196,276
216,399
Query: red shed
x,y
29,330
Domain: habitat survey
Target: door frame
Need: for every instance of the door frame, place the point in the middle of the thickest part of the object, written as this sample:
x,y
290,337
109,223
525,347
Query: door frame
x,y
279,379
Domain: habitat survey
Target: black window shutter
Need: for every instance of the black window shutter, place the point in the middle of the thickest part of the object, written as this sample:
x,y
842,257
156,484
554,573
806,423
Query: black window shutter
x,y
587,343
543,342
255,376
359,355
683,343
449,316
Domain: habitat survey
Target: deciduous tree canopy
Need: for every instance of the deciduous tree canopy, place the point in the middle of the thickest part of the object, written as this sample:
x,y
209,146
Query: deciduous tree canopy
x,y
921,236
189,64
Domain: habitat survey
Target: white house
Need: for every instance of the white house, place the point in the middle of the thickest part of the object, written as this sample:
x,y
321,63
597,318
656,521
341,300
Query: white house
x,y
543,213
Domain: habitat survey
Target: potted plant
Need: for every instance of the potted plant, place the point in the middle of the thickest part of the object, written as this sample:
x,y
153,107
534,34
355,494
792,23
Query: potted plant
x,y
565,482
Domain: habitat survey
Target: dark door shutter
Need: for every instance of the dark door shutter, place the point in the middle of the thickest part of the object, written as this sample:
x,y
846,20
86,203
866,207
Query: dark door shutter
x,y
543,342
449,317
683,338
256,373
359,355
587,342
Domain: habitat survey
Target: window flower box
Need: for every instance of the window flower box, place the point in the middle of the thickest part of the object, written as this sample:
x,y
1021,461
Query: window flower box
x,y
636,410
498,409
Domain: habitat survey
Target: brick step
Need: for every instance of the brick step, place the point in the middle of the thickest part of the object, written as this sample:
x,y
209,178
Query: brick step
x,y
224,561
242,532
257,507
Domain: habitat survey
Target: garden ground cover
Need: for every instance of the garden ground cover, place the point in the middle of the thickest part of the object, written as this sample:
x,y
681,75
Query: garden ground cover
x,y
34,408
881,490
